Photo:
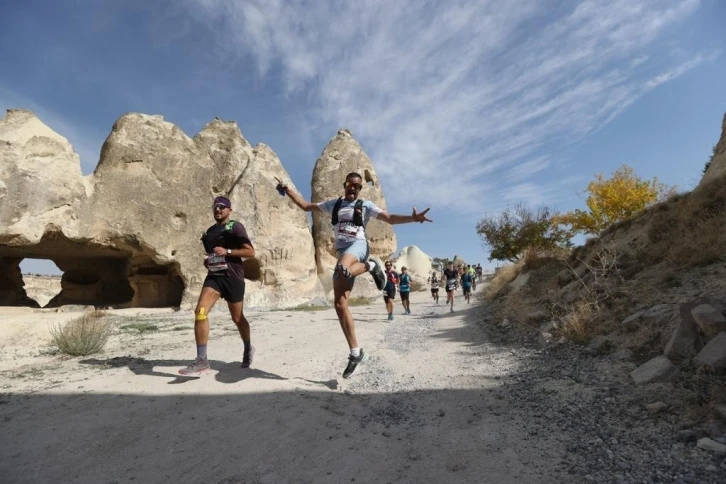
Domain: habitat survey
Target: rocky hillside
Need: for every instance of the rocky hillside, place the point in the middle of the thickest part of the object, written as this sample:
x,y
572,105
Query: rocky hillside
x,y
649,293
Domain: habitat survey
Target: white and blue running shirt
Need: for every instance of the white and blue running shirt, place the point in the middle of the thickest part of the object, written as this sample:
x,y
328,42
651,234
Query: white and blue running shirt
x,y
347,232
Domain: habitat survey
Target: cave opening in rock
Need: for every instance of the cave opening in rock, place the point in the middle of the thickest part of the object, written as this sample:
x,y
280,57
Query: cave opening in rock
x,y
92,275
41,281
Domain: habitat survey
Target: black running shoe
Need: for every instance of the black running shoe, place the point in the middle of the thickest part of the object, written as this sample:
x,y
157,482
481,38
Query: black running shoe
x,y
353,363
377,273
247,357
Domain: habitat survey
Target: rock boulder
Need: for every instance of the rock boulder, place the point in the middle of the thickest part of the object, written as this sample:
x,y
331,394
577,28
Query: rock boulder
x,y
128,235
341,156
416,261
658,369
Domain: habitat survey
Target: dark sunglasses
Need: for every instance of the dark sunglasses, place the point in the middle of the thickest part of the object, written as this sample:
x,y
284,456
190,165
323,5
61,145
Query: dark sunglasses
x,y
348,184
219,206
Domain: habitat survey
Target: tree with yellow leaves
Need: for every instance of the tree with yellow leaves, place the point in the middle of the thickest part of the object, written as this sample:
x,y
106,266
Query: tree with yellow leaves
x,y
615,199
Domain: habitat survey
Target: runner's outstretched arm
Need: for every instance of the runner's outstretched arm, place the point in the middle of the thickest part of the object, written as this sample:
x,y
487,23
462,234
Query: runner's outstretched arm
x,y
394,219
297,198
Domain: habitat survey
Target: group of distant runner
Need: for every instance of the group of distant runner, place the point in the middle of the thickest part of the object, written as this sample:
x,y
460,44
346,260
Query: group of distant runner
x,y
226,244
453,277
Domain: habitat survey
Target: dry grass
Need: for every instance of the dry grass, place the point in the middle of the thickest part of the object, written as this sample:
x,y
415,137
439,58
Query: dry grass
x,y
577,321
502,278
690,229
82,336
360,301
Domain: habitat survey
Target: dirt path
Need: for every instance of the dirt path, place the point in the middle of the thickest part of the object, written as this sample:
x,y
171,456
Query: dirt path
x,y
424,409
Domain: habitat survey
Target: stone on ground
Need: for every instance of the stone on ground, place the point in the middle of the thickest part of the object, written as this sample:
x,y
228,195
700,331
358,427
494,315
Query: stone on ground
x,y
658,369
713,355
710,319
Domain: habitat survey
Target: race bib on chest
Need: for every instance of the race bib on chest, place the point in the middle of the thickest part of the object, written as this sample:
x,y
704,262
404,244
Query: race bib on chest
x,y
216,263
347,231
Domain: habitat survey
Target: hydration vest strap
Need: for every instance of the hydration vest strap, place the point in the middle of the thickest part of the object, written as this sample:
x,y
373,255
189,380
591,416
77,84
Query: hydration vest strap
x,y
336,208
357,212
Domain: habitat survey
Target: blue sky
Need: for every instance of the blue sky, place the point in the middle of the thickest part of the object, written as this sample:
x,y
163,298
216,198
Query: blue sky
x,y
464,106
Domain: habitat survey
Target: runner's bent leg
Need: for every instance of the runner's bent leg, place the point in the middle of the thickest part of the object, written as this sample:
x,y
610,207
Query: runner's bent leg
x,y
355,267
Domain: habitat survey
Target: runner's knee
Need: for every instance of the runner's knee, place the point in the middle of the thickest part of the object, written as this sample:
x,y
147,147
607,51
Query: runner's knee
x,y
200,314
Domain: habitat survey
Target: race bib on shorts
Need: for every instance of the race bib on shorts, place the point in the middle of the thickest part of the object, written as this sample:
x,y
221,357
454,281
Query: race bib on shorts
x,y
216,263
451,284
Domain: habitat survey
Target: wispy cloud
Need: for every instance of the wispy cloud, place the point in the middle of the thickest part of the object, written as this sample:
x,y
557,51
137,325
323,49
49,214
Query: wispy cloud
x,y
461,98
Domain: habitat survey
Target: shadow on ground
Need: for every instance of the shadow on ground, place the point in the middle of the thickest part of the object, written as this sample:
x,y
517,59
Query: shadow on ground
x,y
226,372
293,436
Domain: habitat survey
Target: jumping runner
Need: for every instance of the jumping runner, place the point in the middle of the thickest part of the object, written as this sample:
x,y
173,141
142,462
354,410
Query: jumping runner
x,y
404,288
349,218
451,277
225,244
389,292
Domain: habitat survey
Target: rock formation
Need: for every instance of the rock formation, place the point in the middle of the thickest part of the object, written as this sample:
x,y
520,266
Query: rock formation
x,y
717,168
416,261
341,156
128,235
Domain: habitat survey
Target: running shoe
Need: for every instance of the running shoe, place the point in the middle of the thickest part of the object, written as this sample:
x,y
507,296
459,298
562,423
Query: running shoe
x,y
378,275
390,317
247,357
353,363
199,366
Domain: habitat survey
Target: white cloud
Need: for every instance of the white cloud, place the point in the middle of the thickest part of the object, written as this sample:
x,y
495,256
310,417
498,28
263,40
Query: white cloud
x,y
461,99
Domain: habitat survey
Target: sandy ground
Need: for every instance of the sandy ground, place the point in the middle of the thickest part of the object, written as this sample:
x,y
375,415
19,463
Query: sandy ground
x,y
423,409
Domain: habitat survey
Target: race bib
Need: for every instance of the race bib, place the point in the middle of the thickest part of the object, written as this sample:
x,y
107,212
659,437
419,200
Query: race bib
x,y
216,263
451,284
347,231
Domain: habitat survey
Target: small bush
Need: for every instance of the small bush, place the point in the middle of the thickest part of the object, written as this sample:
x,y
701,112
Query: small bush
x,y
82,336
576,322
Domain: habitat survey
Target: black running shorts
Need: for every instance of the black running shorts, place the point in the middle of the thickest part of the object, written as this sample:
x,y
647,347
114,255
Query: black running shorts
x,y
230,288
389,293
404,295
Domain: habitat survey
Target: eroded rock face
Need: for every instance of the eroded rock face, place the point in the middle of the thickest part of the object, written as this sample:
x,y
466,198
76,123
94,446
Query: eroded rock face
x,y
128,235
416,261
40,179
341,156
717,168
